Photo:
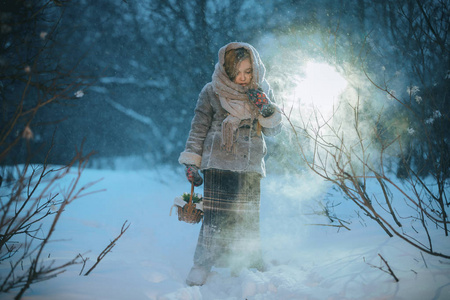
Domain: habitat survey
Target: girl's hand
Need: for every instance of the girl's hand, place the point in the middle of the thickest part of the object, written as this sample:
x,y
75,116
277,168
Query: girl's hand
x,y
261,101
193,176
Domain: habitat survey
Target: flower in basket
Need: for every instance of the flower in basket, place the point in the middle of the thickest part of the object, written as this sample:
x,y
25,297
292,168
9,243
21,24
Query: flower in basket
x,y
197,199
190,213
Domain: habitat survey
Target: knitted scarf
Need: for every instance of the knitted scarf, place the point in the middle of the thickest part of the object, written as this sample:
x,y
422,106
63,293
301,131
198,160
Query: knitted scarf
x,y
233,97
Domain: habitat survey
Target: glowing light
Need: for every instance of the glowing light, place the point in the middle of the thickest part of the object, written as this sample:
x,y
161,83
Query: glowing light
x,y
321,86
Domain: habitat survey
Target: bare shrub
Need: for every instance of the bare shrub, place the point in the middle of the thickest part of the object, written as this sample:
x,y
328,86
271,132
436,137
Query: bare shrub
x,y
34,193
350,158
385,147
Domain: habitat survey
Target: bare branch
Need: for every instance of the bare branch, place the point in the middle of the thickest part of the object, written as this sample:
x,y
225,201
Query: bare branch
x,y
108,248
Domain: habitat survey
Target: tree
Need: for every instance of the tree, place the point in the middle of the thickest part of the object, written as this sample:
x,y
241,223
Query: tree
x,y
33,78
153,59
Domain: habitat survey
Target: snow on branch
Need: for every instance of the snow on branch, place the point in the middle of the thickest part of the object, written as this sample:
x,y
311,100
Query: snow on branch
x,y
136,116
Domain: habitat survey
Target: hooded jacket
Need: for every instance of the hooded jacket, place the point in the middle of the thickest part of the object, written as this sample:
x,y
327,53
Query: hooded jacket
x,y
204,146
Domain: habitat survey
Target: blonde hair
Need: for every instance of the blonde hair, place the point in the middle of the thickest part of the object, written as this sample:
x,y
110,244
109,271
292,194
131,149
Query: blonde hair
x,y
232,59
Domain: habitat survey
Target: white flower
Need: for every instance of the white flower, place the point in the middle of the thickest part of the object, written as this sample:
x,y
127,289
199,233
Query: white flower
x,y
27,69
383,68
79,94
43,35
411,131
412,90
418,99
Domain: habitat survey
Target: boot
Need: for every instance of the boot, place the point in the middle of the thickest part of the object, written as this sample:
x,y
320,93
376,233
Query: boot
x,y
197,275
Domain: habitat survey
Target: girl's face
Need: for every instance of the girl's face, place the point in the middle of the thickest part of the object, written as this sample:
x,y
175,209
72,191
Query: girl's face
x,y
244,73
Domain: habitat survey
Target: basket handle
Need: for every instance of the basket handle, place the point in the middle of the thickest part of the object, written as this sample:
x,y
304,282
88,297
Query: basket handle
x,y
192,193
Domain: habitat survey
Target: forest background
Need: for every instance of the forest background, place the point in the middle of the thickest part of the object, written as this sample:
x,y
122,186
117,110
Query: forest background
x,y
120,79
126,74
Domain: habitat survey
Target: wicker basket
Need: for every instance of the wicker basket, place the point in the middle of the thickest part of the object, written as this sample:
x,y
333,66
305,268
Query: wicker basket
x,y
189,213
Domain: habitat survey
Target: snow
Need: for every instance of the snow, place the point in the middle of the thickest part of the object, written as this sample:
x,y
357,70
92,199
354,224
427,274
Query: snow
x,y
153,257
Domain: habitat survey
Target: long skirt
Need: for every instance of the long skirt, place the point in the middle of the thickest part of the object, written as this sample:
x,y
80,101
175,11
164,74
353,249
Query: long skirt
x,y
230,233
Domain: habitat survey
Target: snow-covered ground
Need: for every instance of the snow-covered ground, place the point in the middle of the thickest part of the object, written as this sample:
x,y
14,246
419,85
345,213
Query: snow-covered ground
x,y
154,256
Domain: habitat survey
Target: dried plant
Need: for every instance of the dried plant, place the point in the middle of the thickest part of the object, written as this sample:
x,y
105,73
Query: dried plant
x,y
353,160
33,193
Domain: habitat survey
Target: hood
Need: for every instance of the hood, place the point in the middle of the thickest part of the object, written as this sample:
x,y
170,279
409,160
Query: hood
x,y
259,70
225,87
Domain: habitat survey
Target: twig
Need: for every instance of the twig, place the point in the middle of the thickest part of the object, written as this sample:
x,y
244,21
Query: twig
x,y
423,258
389,268
84,262
381,268
331,225
109,247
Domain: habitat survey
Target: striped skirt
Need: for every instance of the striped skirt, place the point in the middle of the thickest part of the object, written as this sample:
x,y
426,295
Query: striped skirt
x,y
229,236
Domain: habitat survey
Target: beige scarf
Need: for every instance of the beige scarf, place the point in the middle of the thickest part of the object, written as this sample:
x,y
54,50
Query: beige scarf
x,y
233,97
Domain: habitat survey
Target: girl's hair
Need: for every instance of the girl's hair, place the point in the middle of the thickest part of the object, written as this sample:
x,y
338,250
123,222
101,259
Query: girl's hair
x,y
232,59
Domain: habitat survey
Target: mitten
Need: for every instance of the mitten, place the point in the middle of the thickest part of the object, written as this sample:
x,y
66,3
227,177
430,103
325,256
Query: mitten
x,y
261,101
192,175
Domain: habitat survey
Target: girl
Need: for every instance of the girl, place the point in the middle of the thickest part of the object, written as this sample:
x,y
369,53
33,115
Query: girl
x,y
226,143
